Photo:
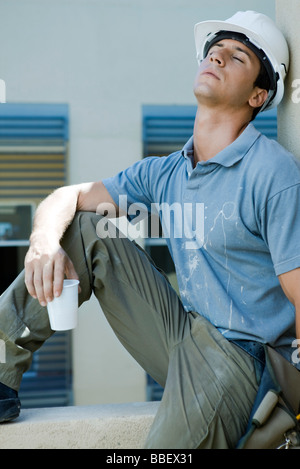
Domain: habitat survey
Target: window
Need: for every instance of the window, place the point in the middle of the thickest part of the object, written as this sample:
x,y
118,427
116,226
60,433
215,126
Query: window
x,y
33,157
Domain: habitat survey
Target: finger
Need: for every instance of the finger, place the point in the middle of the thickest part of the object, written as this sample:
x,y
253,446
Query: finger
x,y
48,281
29,282
59,274
38,285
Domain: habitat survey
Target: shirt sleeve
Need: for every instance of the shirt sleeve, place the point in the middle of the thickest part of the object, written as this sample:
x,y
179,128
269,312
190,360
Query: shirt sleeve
x,y
280,228
130,189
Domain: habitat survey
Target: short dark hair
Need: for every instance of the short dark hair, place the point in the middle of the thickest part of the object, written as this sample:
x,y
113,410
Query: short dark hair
x,y
262,81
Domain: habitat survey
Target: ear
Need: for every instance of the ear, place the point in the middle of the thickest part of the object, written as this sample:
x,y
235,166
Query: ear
x,y
258,97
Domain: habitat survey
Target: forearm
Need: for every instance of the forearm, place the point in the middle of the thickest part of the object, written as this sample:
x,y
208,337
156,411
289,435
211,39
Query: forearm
x,y
46,263
297,314
290,283
54,215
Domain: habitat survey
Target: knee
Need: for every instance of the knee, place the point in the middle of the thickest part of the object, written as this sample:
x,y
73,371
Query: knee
x,y
91,225
84,221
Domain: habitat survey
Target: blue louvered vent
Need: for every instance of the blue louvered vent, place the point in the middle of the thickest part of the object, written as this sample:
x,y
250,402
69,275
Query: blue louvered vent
x,y
266,123
33,150
48,383
33,121
166,128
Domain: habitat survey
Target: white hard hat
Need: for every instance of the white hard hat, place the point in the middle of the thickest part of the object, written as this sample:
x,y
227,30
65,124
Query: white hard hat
x,y
258,32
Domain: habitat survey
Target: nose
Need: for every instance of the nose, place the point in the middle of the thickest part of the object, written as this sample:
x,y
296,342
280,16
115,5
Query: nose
x,y
216,57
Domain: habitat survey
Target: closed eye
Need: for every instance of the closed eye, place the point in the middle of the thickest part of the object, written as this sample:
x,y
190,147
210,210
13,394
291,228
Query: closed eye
x,y
238,58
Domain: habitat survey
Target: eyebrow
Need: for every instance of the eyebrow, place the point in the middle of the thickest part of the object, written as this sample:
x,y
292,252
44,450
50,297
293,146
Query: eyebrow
x,y
219,44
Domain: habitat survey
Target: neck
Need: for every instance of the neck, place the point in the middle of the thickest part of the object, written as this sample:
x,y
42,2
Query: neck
x,y
215,131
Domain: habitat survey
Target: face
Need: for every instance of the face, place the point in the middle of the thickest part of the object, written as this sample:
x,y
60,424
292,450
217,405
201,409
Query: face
x,y
226,76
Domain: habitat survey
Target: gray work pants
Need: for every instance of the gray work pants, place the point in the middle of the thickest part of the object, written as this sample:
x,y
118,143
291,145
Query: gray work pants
x,y
209,383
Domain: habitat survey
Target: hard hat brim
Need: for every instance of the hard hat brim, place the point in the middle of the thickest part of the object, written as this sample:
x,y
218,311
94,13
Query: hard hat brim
x,y
206,28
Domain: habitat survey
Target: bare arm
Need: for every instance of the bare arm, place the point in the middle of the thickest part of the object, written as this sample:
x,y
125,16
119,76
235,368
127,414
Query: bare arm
x,y
290,283
46,263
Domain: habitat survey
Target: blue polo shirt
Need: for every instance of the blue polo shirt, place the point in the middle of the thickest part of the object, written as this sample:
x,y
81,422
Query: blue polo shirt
x,y
240,230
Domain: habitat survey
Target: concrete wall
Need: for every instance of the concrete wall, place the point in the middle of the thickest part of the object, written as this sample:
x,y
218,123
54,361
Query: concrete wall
x,y
105,58
287,17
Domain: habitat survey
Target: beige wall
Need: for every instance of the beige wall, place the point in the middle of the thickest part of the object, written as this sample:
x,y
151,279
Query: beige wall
x,y
105,58
287,17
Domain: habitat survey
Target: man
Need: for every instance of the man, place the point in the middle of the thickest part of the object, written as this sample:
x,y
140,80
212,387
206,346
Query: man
x,y
239,279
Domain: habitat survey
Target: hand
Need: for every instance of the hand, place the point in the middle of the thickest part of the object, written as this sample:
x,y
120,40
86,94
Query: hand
x,y
45,269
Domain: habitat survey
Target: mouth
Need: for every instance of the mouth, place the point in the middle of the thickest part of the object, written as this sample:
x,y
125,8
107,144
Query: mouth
x,y
210,73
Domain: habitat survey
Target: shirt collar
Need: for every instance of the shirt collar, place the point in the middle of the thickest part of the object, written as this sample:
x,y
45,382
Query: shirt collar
x,y
231,154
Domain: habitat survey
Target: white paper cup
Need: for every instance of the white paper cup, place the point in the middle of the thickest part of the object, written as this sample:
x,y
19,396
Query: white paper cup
x,y
63,310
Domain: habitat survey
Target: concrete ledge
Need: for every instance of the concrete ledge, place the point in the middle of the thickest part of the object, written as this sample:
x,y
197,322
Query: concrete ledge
x,y
111,426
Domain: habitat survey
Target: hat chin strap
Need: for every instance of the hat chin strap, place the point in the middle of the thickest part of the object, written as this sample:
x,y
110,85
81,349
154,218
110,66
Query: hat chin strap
x,y
271,96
